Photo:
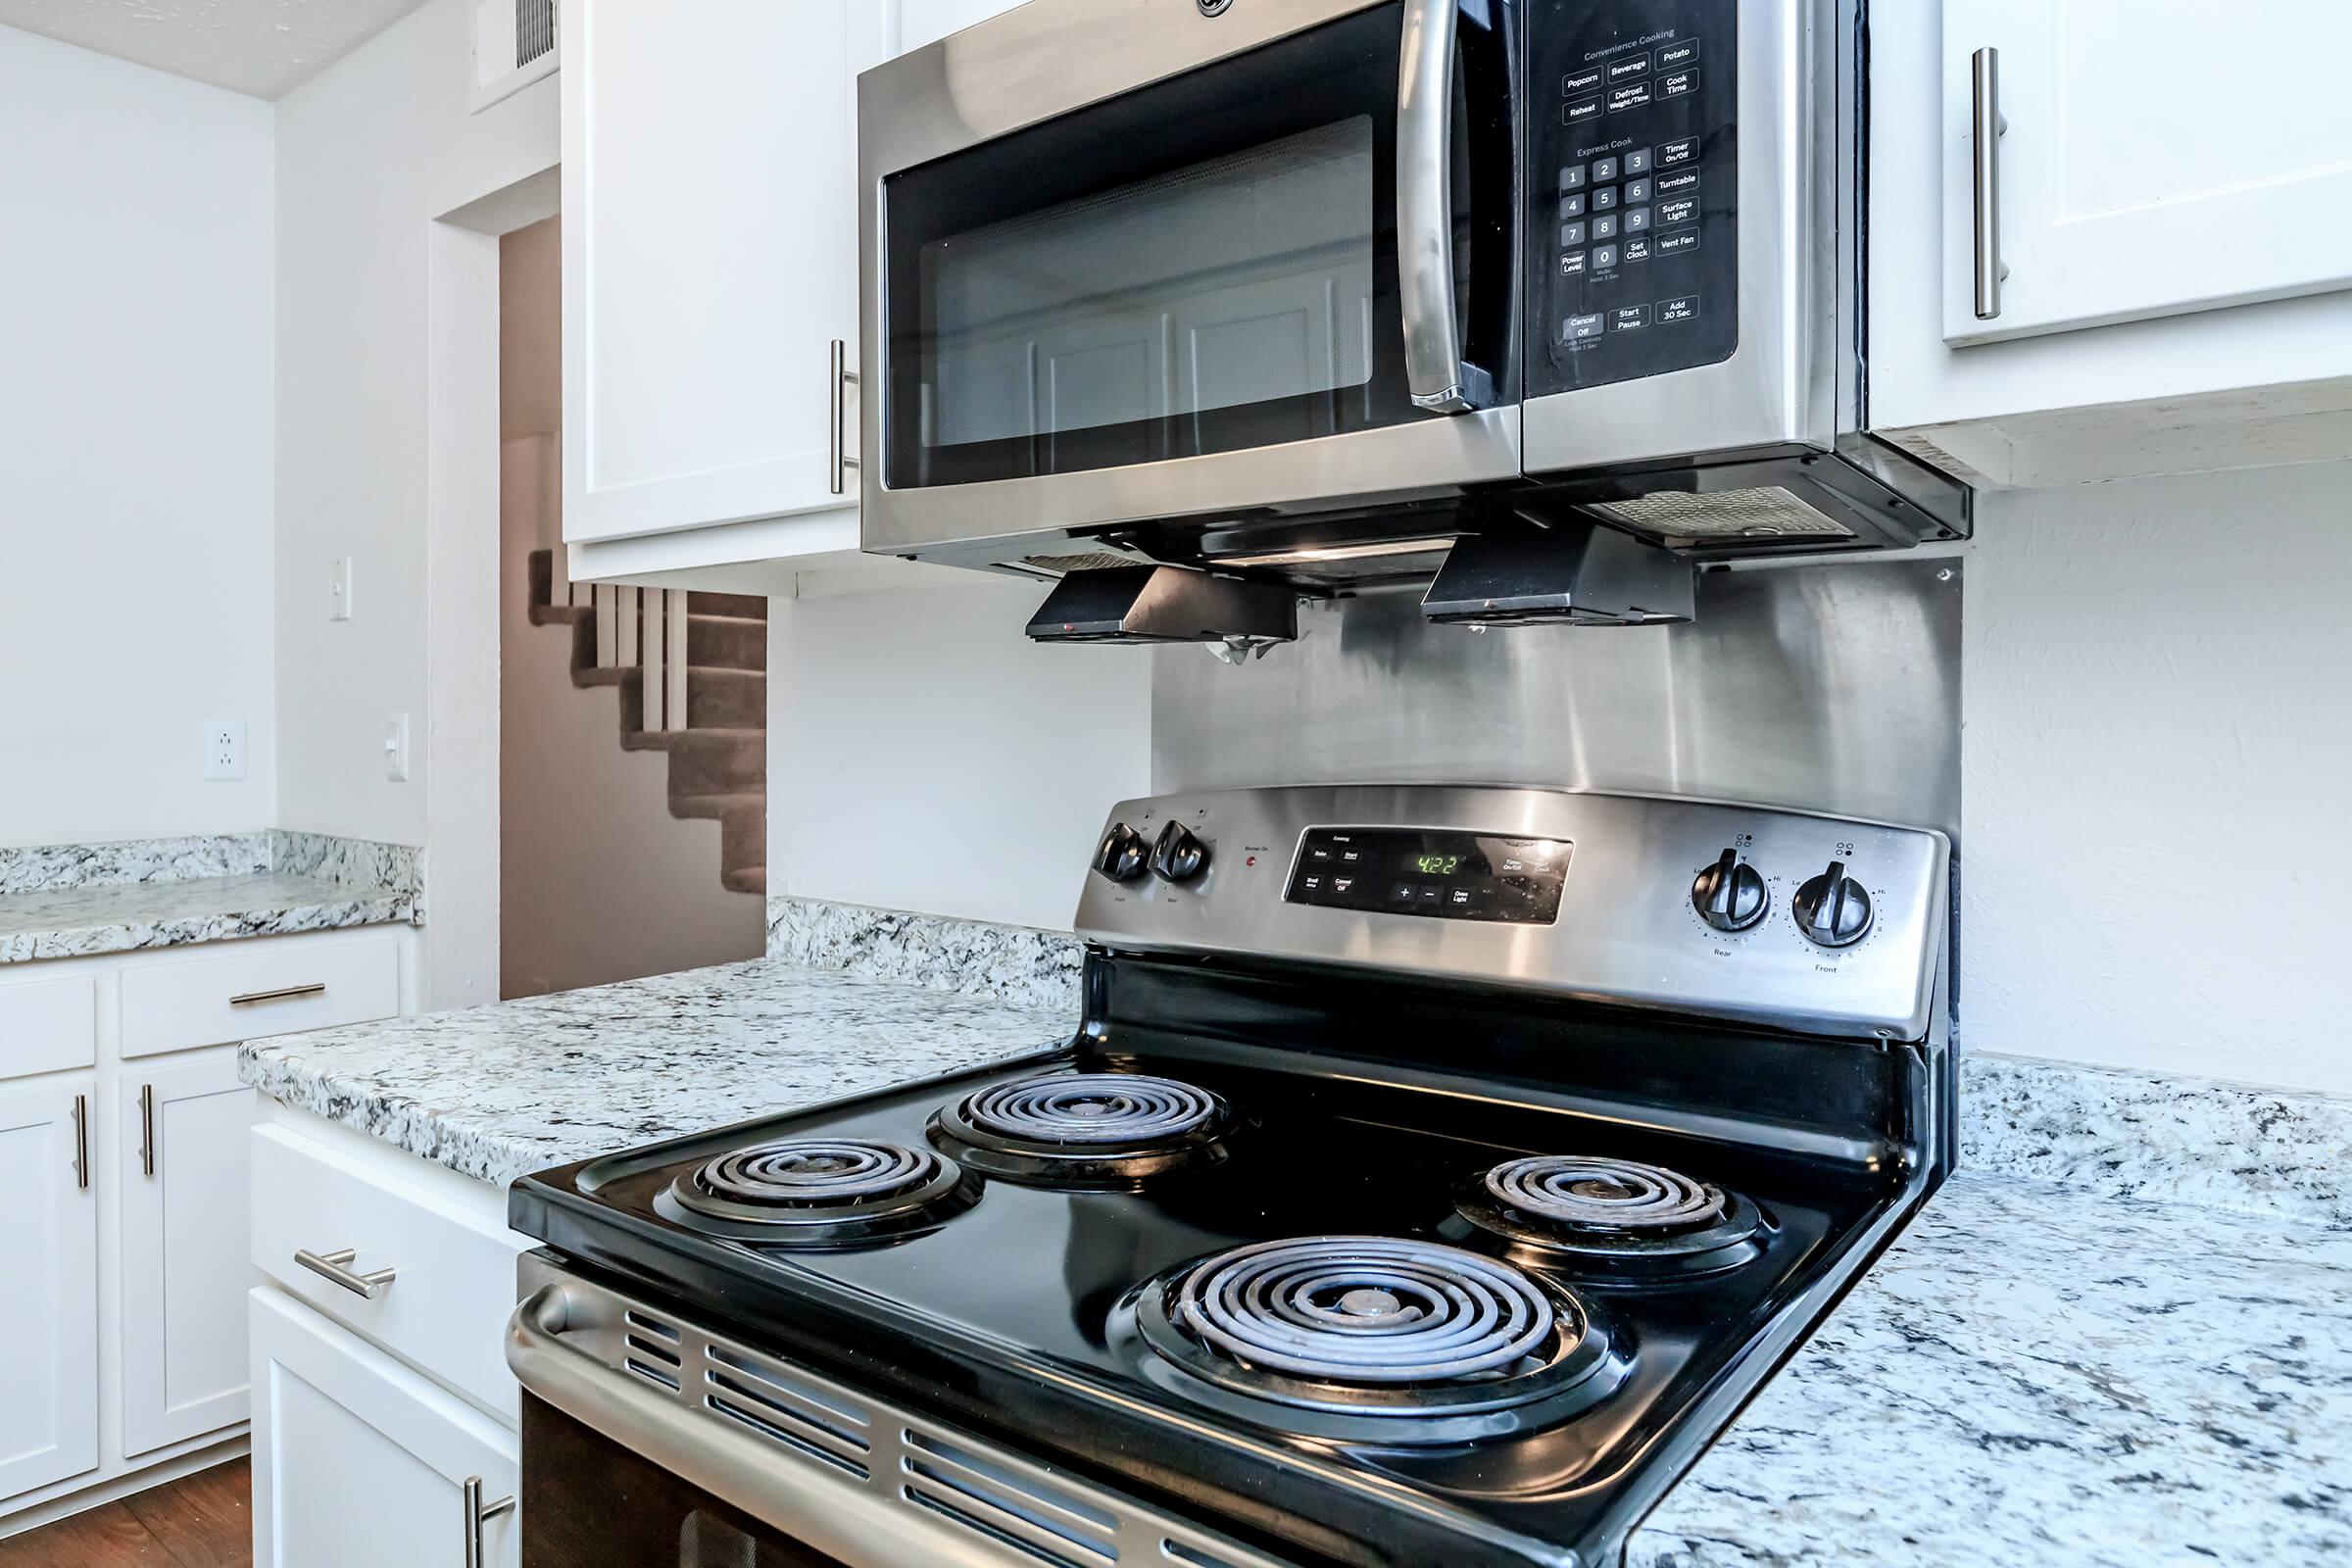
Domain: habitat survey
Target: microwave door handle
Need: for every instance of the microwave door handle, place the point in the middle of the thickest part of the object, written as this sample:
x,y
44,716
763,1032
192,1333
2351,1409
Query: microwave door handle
x,y
1435,371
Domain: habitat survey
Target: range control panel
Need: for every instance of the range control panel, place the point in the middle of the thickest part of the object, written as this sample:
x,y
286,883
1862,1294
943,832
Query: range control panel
x,y
1635,224
1810,922
1434,873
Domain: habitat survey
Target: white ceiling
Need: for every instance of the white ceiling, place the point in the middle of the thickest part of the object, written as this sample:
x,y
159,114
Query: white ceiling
x,y
262,47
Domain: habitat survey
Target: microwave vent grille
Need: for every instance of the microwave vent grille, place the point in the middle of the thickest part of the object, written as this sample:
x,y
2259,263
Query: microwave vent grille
x,y
1765,513
1094,561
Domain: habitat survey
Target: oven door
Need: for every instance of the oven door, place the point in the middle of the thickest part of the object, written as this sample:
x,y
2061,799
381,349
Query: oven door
x,y
1126,259
590,1503
650,1441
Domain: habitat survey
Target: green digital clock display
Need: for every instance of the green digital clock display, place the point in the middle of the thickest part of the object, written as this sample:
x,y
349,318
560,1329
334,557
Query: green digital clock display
x,y
1437,864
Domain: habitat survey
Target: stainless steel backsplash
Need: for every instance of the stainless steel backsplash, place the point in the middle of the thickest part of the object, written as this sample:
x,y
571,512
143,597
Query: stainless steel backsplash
x,y
1833,688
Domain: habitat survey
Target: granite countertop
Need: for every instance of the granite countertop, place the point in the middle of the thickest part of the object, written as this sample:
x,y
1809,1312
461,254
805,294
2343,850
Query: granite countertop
x,y
73,922
2039,1374
499,1091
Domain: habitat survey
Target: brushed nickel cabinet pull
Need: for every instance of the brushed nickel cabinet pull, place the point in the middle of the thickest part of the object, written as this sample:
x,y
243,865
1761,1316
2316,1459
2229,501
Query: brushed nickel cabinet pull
x,y
81,1142
316,988
336,1266
837,452
146,1129
1988,127
477,1514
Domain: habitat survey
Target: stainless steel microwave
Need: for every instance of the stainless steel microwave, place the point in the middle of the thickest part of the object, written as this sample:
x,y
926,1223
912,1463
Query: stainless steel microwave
x,y
1312,289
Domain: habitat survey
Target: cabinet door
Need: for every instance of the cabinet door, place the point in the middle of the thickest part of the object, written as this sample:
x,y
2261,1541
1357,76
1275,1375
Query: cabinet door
x,y
358,1462
709,258
2155,163
185,1141
49,1313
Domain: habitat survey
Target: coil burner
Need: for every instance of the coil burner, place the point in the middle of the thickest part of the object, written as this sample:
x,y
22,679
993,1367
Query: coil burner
x,y
1380,1327
1104,1129
819,1192
1616,1214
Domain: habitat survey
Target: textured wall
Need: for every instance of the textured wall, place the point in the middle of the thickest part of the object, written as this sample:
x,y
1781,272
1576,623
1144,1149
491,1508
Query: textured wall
x,y
2159,678
135,331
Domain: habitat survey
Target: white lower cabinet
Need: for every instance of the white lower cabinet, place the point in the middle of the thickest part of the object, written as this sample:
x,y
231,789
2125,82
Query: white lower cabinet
x,y
125,1152
185,1143
362,1463
49,1313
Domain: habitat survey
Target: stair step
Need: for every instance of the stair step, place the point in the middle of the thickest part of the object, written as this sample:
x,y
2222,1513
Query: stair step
x,y
715,808
750,606
726,699
707,761
726,641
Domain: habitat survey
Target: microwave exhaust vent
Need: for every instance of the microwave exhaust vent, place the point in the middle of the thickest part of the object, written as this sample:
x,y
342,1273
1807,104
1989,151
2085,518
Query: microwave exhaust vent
x,y
1574,573
1165,605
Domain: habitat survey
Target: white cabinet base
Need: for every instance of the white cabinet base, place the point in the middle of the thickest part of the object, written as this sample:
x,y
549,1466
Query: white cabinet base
x,y
49,1315
360,1462
181,1168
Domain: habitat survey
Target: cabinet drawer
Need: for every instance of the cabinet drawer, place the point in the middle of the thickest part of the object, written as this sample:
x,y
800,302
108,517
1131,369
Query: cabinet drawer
x,y
47,1025
266,988
445,1310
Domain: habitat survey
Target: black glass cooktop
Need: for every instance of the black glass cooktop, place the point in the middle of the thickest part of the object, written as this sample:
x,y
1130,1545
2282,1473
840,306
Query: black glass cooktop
x,y
1364,1313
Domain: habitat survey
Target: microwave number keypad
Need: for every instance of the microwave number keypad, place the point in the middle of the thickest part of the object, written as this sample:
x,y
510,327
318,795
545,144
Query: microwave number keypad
x,y
1637,239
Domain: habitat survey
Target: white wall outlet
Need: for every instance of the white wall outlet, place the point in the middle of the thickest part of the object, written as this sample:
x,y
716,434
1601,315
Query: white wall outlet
x,y
338,589
223,749
396,748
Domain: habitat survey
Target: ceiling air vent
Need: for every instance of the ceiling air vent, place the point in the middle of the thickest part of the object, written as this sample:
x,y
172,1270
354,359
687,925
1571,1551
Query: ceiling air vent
x,y
514,46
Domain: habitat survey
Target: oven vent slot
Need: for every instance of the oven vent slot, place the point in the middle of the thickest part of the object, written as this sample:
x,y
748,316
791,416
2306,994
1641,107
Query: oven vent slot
x,y
764,1398
1017,1510
649,1349
1029,1526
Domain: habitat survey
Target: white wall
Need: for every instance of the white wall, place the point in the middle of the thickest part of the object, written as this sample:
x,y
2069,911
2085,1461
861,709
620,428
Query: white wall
x,y
2158,764
136,463
2157,754
369,153
922,755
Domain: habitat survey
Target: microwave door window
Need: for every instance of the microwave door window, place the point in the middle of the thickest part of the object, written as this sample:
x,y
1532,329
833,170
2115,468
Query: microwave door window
x,y
1204,266
1242,281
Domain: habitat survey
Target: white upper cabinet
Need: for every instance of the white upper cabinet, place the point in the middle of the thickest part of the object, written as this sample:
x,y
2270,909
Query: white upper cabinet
x,y
2154,163
2167,254
710,261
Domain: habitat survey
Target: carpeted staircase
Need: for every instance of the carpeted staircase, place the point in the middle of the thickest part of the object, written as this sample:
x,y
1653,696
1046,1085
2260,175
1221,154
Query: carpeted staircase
x,y
719,759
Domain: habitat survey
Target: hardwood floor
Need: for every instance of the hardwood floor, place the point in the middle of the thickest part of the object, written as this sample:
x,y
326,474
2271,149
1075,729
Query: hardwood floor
x,y
199,1521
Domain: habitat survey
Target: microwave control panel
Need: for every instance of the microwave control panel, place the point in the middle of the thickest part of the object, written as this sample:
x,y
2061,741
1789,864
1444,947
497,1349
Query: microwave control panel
x,y
1634,167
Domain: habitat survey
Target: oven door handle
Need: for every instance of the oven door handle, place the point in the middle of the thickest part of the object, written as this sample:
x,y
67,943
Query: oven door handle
x,y
839,1519
1439,376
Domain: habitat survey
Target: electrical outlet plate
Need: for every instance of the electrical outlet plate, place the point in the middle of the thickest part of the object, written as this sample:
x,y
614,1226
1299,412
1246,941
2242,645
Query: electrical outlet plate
x,y
224,750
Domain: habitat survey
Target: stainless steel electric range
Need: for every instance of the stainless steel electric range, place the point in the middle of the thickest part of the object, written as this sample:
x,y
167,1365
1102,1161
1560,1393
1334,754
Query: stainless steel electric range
x,y
1433,1174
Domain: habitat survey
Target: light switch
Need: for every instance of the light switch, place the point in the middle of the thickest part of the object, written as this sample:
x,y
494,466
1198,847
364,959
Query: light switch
x,y
338,589
396,748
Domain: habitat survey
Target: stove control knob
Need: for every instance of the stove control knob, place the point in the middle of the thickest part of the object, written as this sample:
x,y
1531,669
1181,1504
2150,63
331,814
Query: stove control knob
x,y
1178,856
1730,895
1122,854
1833,908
